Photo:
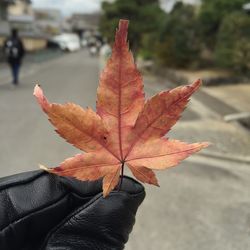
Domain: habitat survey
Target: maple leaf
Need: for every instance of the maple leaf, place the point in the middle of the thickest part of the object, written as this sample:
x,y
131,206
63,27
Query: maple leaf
x,y
125,128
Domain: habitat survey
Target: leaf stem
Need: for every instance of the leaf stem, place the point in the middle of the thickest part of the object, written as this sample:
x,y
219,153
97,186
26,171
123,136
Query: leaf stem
x,y
121,177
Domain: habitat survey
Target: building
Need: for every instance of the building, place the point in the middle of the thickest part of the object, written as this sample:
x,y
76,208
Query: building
x,y
4,26
83,22
3,10
19,14
19,7
49,21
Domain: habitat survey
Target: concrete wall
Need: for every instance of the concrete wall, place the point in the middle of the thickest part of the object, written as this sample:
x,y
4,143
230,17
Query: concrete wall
x,y
30,43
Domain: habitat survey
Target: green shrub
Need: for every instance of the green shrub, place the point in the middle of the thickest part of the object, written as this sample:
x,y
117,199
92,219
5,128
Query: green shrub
x,y
178,44
233,43
211,14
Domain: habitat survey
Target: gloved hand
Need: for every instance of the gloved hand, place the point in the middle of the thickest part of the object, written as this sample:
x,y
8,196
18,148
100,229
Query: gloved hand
x,y
41,211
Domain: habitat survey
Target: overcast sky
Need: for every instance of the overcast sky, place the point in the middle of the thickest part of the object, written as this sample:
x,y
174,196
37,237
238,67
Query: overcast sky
x,y
69,6
87,6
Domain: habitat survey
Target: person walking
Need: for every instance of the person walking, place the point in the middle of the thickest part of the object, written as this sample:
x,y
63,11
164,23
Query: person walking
x,y
14,51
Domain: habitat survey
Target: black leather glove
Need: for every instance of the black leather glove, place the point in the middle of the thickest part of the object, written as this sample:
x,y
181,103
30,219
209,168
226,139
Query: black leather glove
x,y
41,211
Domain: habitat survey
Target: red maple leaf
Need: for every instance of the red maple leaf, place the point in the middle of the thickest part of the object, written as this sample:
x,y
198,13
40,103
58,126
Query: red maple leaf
x,y
125,128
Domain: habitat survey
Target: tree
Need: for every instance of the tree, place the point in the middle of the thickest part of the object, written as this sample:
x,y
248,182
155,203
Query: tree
x,y
145,16
233,45
178,41
212,13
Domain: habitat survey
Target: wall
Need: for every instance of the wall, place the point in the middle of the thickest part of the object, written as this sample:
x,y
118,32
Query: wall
x,y
30,43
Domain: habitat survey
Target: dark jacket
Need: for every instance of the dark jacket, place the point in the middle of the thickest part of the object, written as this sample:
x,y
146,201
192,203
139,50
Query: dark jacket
x,y
14,50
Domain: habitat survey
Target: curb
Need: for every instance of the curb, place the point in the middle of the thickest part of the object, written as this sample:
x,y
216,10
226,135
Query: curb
x,y
234,158
202,96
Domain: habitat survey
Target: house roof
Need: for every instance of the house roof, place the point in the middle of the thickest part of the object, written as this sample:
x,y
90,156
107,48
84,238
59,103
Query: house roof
x,y
9,1
21,18
14,1
5,32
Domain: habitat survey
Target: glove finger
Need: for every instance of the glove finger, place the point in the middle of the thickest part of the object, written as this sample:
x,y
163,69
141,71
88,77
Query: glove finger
x,y
35,202
102,223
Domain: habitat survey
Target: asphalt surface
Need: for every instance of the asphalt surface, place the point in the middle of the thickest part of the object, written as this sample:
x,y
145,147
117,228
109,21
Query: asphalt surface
x,y
201,205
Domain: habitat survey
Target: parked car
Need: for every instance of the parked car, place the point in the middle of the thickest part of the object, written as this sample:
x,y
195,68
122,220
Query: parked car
x,y
67,42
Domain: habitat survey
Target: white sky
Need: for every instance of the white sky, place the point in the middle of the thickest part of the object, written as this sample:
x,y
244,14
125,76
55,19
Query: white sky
x,y
69,6
168,4
87,6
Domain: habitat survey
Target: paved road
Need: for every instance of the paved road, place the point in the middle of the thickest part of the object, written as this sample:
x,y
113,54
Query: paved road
x,y
201,205
26,136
